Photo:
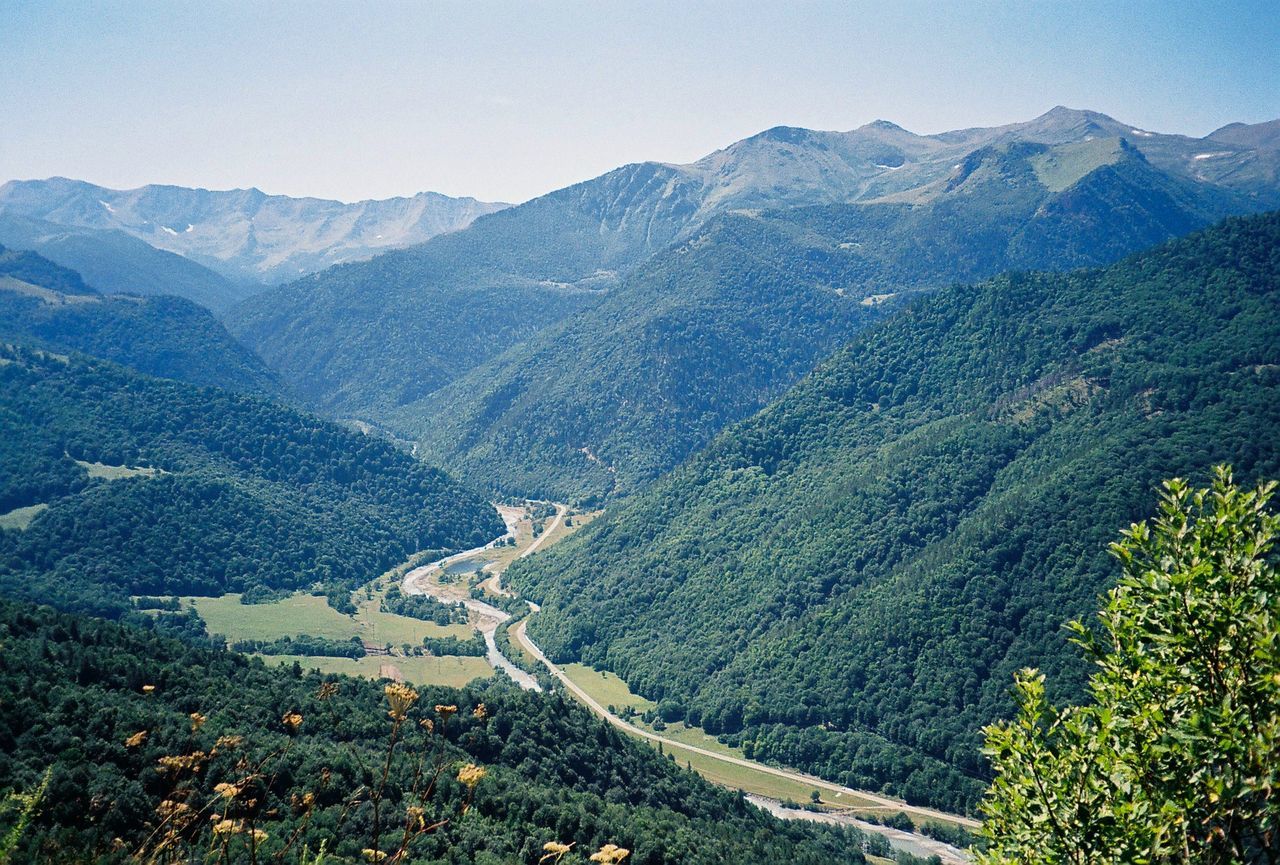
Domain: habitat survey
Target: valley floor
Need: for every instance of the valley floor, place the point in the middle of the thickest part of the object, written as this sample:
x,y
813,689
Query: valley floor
x,y
768,786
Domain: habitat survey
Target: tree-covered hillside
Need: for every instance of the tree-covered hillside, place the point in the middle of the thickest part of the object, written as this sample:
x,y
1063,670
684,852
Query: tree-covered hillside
x,y
600,404
115,262
371,336
158,487
49,306
711,330
145,739
368,337
847,581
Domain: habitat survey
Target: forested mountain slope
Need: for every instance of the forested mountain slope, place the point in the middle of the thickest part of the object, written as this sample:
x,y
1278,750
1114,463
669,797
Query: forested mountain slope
x,y
49,306
604,401
107,711
709,331
374,336
150,486
115,262
245,234
847,581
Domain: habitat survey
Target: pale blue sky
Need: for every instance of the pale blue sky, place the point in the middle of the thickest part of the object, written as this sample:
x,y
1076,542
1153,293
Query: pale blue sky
x,y
510,100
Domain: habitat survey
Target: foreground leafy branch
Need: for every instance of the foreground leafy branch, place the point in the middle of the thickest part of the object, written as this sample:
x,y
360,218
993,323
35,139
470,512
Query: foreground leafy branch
x,y
1177,757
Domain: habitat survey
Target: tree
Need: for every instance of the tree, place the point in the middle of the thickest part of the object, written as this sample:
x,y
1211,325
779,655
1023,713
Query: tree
x,y
1176,759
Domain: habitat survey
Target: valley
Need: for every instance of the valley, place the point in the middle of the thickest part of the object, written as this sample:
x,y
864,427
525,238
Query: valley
x,y
819,497
393,643
455,580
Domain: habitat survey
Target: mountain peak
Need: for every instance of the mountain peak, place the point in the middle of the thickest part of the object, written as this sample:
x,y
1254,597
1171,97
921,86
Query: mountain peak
x,y
1062,112
785,134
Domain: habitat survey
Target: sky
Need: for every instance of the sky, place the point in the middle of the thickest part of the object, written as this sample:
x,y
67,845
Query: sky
x,y
506,101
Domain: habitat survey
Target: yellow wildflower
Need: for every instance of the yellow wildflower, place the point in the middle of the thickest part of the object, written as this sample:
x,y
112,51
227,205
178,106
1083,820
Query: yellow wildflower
x,y
481,712
197,721
327,691
445,711
373,855
554,851
428,725
226,827
416,817
401,697
292,721
229,741
170,809
610,853
471,775
136,739
179,762
147,689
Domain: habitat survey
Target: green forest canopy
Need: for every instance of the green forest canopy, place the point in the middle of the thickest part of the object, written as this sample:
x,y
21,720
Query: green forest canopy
x,y
847,582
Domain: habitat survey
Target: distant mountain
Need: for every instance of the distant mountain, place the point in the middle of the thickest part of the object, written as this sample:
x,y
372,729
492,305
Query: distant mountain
x,y
116,262
370,338
711,330
48,306
245,234
847,581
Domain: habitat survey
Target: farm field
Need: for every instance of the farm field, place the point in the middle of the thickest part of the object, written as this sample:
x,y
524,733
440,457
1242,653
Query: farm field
x,y
290,617
605,687
449,670
310,614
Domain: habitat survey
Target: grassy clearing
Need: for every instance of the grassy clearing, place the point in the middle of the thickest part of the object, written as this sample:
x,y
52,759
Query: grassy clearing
x,y
20,518
449,670
290,617
680,732
605,687
380,627
115,473
309,614
750,780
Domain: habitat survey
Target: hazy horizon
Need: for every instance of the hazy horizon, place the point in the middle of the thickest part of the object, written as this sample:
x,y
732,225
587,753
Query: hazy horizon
x,y
504,102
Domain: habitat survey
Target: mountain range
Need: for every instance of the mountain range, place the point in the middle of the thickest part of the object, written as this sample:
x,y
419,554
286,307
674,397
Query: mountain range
x,y
711,330
529,352
245,235
116,262
863,408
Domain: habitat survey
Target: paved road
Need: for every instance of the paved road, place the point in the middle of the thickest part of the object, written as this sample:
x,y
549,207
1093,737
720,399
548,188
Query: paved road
x,y
561,510
519,633
916,845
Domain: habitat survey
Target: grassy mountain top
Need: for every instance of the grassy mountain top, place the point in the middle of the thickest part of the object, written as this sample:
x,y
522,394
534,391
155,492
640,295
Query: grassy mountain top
x,y
712,329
